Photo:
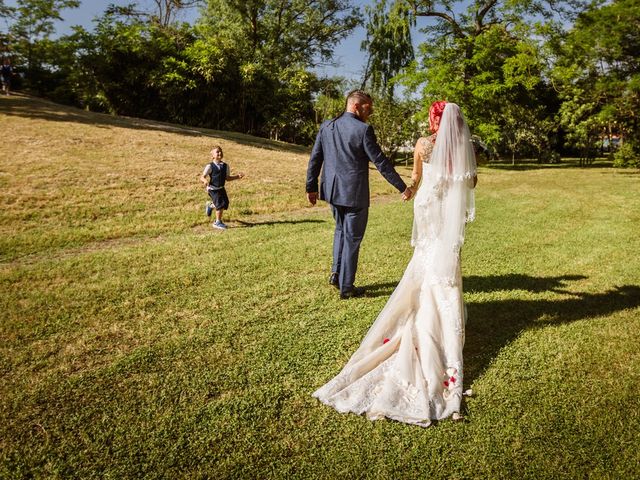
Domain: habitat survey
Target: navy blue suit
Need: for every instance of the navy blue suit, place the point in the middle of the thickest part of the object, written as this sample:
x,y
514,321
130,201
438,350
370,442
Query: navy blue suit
x,y
343,148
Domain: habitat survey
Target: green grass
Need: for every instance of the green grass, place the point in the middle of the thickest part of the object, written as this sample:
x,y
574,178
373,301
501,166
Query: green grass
x,y
142,344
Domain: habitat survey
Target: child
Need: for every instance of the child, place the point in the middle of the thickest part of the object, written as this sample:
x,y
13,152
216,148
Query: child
x,y
6,73
218,172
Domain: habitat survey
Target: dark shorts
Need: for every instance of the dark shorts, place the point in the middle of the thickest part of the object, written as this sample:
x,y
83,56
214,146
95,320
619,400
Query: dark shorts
x,y
220,199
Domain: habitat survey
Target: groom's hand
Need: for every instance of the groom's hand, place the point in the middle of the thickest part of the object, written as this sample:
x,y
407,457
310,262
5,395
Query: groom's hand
x,y
407,194
312,197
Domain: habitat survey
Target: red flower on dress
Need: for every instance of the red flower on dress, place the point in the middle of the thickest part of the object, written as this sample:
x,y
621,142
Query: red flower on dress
x,y
449,378
385,341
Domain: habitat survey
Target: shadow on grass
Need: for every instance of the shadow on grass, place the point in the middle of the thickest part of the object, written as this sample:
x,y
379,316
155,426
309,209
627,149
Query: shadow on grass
x,y
494,324
516,281
36,108
243,224
380,289
496,283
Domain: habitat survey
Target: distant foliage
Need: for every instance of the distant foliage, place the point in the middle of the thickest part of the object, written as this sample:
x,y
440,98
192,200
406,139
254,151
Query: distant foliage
x,y
489,60
245,66
396,125
27,41
626,157
597,73
388,45
534,77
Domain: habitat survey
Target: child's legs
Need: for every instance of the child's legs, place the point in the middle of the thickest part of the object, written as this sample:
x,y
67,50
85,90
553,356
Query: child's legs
x,y
220,202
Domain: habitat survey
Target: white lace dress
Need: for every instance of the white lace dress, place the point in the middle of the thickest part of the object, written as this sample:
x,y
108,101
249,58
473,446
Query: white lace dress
x,y
409,365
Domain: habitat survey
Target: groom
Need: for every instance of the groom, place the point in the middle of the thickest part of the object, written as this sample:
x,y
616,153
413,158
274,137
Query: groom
x,y
345,145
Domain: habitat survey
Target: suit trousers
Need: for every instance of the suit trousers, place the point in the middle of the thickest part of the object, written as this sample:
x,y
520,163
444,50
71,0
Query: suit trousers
x,y
351,223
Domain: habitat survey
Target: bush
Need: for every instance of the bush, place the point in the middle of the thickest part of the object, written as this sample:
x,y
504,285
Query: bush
x,y
549,156
626,157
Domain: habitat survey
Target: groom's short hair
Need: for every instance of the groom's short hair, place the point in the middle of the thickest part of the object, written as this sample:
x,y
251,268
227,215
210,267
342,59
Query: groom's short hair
x,y
359,96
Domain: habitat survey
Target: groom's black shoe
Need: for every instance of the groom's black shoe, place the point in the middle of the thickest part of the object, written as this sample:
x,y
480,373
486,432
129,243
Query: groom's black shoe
x,y
333,280
353,293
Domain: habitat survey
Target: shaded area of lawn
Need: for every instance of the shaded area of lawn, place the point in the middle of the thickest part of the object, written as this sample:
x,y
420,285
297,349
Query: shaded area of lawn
x,y
495,324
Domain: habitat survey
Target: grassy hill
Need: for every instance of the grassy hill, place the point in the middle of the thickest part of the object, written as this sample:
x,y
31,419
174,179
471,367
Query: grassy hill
x,y
71,178
139,343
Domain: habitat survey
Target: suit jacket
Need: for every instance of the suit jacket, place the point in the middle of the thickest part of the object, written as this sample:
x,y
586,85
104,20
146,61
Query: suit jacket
x,y
343,148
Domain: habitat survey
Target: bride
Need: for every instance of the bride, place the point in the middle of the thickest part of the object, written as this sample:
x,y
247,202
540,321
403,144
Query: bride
x,y
409,365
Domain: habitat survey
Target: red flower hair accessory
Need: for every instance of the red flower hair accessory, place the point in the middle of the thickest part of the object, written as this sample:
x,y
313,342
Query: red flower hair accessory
x,y
435,114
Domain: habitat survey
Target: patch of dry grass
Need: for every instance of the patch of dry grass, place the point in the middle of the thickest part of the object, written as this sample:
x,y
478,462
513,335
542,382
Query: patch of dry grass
x,y
73,177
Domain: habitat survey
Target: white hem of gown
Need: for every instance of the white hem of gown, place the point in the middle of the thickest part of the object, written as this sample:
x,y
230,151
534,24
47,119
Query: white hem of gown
x,y
409,365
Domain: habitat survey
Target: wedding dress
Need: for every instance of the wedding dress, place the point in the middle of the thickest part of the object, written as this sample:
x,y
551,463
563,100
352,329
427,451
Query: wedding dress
x,y
409,366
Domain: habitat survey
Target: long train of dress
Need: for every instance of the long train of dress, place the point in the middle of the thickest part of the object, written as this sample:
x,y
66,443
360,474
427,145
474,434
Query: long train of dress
x,y
409,365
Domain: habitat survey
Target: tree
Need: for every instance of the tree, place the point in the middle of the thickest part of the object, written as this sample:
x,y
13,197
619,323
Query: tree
x,y
597,73
137,68
390,49
33,25
275,43
167,10
329,102
526,126
164,14
213,74
484,57
5,14
395,124
388,44
281,32
5,11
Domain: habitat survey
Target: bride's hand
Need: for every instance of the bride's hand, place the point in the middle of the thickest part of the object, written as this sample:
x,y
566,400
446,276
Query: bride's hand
x,y
407,194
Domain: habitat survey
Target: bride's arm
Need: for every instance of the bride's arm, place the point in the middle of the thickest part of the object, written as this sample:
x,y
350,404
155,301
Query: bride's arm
x,y
416,174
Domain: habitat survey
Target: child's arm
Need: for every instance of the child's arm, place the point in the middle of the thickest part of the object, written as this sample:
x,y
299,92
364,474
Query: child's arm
x,y
205,173
237,176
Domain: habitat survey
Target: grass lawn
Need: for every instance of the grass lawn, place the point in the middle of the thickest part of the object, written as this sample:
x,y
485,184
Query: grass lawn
x,y
137,342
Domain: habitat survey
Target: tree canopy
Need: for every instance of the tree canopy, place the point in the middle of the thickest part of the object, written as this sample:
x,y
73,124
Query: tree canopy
x,y
597,73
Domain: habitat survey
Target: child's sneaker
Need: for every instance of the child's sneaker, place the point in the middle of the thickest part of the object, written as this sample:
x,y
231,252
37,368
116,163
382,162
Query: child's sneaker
x,y
219,224
208,209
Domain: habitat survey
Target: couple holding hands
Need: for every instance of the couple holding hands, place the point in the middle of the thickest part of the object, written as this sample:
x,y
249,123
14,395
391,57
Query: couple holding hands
x,y
409,365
